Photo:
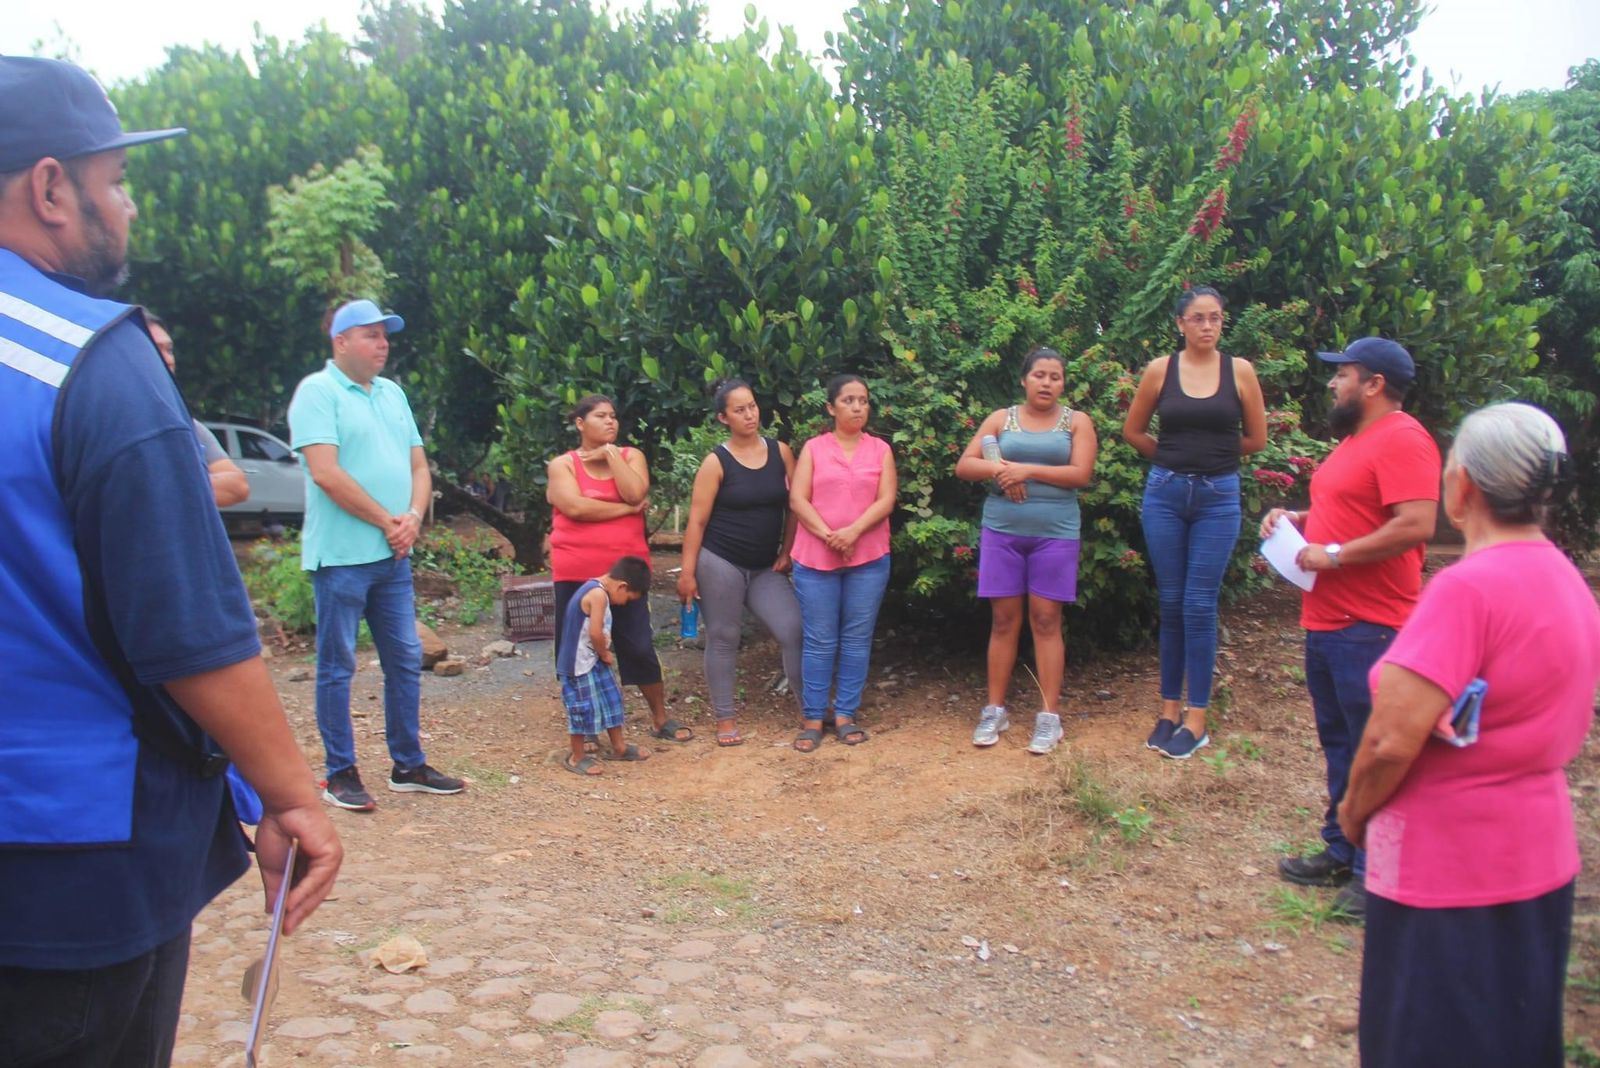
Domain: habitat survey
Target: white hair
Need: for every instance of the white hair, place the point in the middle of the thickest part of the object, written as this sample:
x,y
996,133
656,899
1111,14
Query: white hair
x,y
1515,453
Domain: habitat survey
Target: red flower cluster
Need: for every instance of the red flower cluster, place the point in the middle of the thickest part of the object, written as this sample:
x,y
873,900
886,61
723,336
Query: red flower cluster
x,y
963,552
1280,479
1210,215
1073,140
1131,559
1303,464
969,422
953,327
1129,206
1238,137
1025,285
1279,420
1258,565
955,206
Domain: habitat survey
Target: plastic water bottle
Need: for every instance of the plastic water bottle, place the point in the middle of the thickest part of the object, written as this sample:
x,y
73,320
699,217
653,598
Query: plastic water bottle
x,y
689,619
991,447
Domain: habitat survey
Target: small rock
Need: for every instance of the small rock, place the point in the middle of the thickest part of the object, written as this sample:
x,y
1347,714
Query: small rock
x,y
812,1053
300,675
1307,1041
726,1057
450,668
903,1049
496,990
616,1024
595,1057
316,1026
405,1030
1104,695
698,949
550,1007
1214,931
666,1044
499,649
433,647
430,1002
809,1008
428,1054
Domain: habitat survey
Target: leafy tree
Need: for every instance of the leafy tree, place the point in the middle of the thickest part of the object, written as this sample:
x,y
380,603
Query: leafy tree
x,y
315,228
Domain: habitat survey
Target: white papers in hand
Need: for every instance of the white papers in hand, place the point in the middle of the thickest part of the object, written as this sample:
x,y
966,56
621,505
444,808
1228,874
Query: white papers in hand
x,y
1282,547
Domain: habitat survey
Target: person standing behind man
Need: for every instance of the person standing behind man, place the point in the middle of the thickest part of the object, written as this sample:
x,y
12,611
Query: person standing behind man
x,y
1374,502
229,485
129,646
367,483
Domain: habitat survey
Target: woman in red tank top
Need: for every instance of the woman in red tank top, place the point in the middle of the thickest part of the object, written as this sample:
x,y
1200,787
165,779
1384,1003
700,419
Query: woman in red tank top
x,y
598,493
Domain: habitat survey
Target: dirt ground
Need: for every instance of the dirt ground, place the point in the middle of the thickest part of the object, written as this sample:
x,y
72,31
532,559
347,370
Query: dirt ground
x,y
910,899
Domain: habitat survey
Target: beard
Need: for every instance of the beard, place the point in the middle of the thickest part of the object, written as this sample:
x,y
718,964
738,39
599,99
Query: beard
x,y
102,266
1344,417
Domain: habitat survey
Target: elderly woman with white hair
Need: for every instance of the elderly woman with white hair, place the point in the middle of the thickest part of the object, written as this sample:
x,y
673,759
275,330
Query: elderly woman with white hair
x,y
1467,822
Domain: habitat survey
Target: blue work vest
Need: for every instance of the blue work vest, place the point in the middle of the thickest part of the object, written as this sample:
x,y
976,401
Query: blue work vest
x,y
67,745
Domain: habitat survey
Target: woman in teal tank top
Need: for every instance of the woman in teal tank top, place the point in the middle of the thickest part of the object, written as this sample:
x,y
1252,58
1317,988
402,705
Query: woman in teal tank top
x,y
1028,551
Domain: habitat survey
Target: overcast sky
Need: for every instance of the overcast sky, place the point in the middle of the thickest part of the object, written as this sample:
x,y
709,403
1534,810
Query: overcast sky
x,y
1468,44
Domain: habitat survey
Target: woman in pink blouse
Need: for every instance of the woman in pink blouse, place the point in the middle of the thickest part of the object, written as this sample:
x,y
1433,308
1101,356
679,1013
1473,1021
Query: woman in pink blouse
x,y
1471,850
842,493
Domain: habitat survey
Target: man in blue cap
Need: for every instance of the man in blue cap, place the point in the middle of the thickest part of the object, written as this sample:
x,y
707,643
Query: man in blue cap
x,y
367,485
1374,502
129,643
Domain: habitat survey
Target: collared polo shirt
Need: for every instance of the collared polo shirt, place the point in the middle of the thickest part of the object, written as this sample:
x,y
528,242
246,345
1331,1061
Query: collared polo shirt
x,y
375,433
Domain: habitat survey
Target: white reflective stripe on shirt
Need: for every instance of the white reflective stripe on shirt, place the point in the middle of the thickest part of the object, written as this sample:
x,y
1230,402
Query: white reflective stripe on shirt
x,y
32,364
44,322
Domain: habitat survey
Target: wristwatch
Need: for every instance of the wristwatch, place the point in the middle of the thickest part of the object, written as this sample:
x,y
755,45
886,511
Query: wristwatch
x,y
1333,549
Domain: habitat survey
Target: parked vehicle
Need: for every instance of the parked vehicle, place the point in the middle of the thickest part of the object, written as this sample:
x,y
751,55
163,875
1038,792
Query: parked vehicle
x,y
277,483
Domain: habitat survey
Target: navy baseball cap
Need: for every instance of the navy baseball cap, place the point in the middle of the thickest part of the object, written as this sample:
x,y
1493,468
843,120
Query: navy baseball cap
x,y
50,108
363,313
1378,355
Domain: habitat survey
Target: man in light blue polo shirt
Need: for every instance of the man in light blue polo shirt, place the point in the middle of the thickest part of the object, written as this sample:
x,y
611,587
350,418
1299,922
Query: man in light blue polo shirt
x,y
367,482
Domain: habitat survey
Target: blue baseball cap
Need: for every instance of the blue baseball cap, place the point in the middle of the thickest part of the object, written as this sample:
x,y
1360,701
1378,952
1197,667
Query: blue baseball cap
x,y
53,109
363,313
1378,355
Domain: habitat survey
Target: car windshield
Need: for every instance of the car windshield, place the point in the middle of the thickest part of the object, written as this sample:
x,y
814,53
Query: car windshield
x,y
260,447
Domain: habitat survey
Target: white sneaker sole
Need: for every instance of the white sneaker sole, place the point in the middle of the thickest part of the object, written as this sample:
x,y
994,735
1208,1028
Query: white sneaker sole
x,y
1037,750
418,788
1205,740
347,806
1004,726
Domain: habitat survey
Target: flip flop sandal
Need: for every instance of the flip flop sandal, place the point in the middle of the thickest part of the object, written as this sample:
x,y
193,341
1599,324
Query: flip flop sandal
x,y
630,753
668,732
809,734
582,767
591,743
729,737
849,733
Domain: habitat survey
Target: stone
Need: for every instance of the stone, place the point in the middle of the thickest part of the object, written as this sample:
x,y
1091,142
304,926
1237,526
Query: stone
x,y
652,987
332,1051
809,1008
682,971
430,1002
497,990
299,675
433,647
428,1054
448,966
193,1053
790,1032
595,1057
665,1044
751,944
371,1002
494,1020
754,986
869,977
903,1049
526,1042
695,949
405,1030
550,1007
843,1030
726,1057
812,1053
449,668
616,1024
316,1027
500,649
473,1037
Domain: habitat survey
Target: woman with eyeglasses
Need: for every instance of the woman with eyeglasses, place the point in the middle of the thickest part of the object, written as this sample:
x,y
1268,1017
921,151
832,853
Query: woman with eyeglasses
x,y
1211,413
842,493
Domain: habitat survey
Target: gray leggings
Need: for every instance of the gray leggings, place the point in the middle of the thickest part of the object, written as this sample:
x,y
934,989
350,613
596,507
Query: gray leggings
x,y
725,590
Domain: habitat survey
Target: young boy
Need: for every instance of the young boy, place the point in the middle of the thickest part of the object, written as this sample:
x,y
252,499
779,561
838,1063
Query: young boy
x,y
588,689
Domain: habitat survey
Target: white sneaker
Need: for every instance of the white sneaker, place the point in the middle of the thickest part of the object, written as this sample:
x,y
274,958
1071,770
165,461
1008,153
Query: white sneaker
x,y
991,721
1046,733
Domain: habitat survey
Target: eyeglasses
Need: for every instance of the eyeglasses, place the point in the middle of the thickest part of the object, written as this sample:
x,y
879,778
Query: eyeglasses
x,y
1214,319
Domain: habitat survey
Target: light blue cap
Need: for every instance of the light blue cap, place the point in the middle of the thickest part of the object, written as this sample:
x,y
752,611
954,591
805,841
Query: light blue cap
x,y
363,313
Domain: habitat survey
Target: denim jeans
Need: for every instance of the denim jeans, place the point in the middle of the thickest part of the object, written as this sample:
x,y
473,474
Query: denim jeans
x,y
838,610
1337,663
382,593
123,1014
1191,523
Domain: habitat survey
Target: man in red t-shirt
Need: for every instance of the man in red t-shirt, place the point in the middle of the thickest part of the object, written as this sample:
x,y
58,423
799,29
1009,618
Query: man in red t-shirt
x,y
1373,505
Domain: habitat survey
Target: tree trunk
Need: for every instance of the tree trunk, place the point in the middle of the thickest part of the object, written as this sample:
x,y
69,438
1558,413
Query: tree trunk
x,y
526,535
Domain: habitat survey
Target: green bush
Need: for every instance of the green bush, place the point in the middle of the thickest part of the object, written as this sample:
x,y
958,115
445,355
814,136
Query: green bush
x,y
279,585
472,564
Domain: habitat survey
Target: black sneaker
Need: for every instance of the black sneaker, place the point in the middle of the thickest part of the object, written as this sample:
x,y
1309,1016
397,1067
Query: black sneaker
x,y
1181,744
1163,731
424,780
344,789
1319,869
1350,904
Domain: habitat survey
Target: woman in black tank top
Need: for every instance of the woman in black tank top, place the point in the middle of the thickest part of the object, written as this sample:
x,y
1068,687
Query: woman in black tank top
x,y
736,549
1211,413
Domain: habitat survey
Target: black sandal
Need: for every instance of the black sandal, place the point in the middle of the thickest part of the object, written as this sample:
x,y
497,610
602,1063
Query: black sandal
x,y
812,736
847,732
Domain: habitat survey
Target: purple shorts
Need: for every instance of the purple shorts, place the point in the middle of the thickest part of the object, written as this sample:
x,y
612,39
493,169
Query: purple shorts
x,y
1010,565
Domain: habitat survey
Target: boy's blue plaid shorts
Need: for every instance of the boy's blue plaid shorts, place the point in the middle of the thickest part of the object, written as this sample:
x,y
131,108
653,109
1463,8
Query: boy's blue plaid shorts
x,y
593,700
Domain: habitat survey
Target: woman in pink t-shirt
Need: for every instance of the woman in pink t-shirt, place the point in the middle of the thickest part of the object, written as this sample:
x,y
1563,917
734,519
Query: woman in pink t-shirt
x,y
842,493
1471,851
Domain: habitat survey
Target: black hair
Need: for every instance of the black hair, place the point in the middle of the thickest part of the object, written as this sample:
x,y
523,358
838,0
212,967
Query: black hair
x,y
1189,296
719,399
589,404
633,572
837,383
1041,352
1392,390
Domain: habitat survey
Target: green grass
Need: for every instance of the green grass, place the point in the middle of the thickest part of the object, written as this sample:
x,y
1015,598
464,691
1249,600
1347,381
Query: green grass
x,y
1582,1055
490,779
1296,911
699,895
581,1021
